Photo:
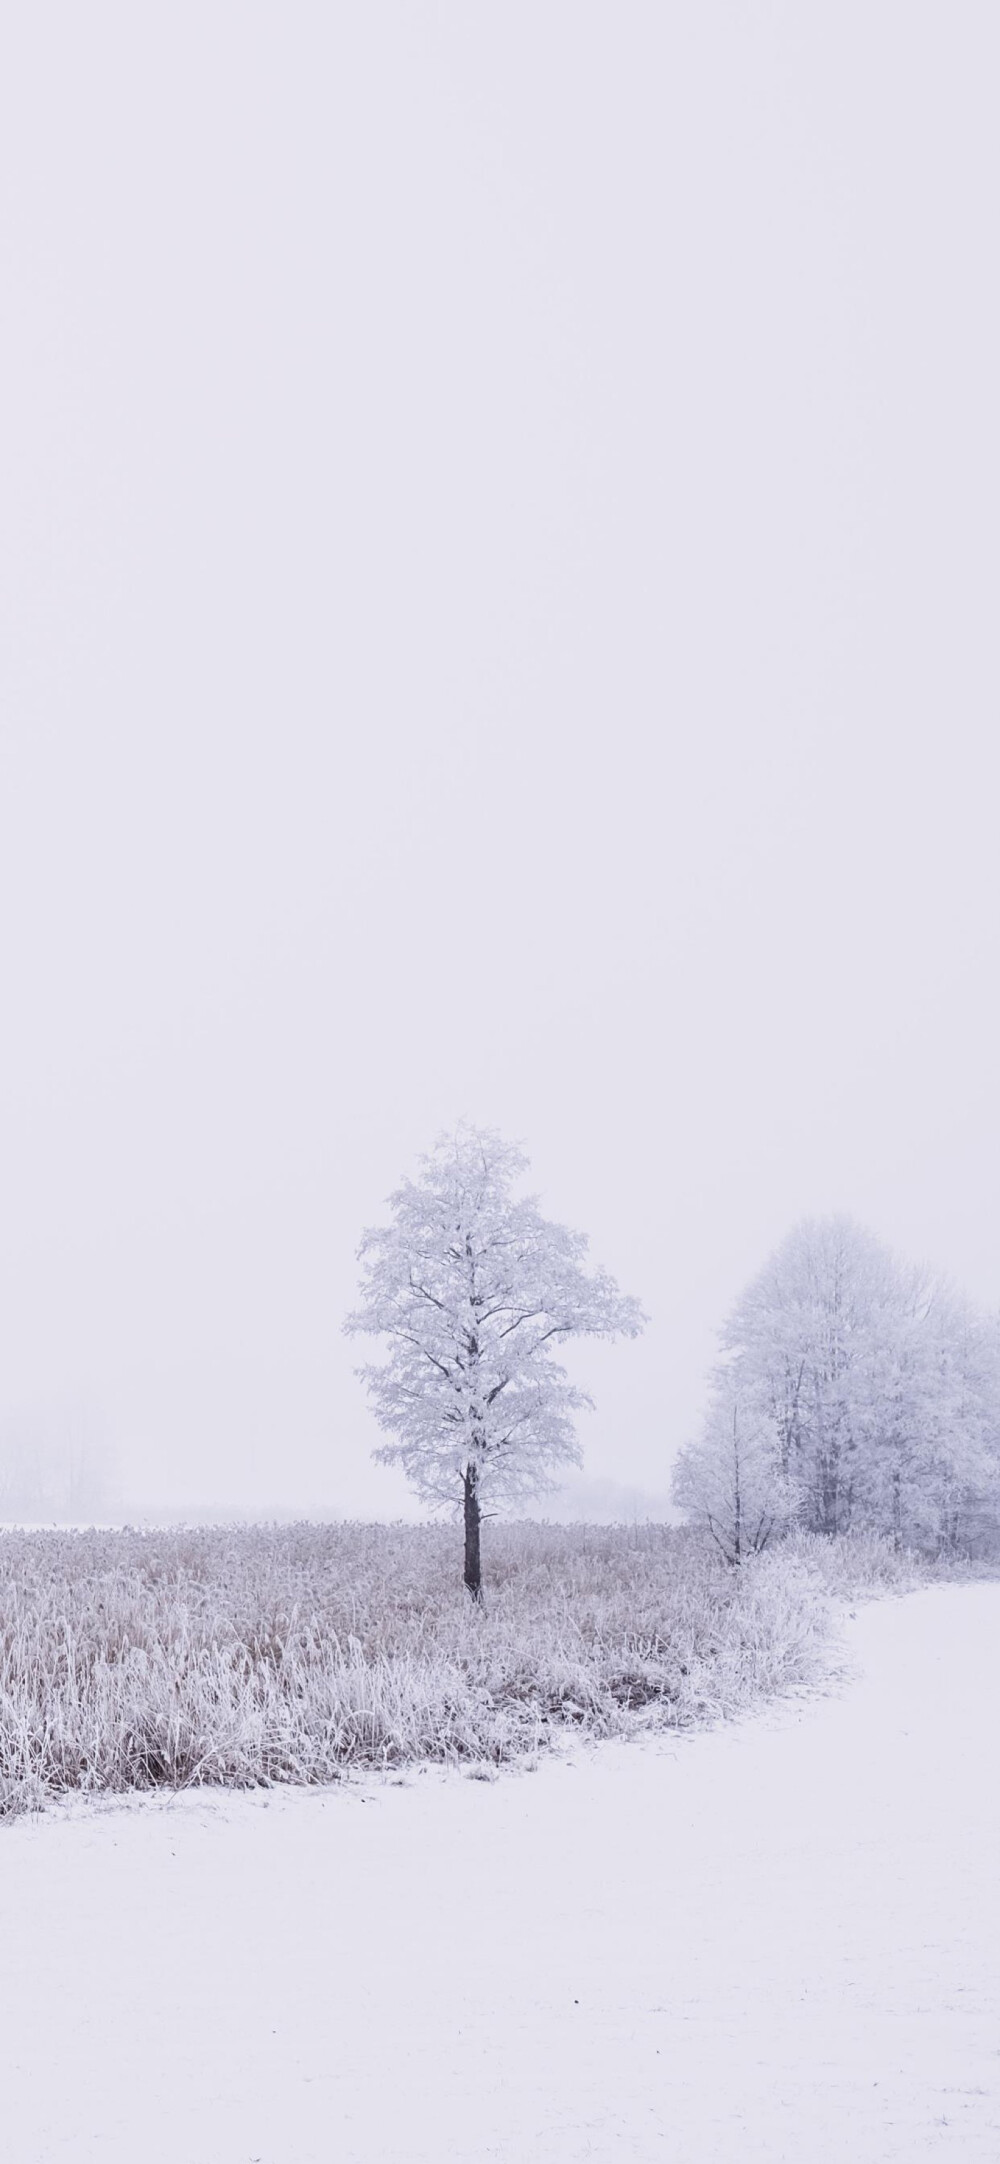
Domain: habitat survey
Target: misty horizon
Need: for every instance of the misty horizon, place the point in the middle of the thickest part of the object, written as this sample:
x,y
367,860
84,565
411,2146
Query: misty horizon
x,y
498,570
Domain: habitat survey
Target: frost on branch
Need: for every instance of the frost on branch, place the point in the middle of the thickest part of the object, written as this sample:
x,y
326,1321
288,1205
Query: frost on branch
x,y
476,1294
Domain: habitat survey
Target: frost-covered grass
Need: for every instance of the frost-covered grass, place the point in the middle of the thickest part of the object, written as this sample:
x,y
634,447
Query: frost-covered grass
x,y
859,1566
245,1655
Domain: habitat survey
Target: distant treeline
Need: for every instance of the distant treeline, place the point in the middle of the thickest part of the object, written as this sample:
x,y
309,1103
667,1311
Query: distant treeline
x,y
855,1392
52,1474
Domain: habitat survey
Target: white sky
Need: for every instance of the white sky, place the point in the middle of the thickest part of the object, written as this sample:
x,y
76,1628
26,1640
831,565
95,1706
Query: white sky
x,y
498,569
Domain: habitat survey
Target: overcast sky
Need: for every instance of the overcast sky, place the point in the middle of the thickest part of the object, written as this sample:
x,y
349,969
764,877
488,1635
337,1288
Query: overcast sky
x,y
499,551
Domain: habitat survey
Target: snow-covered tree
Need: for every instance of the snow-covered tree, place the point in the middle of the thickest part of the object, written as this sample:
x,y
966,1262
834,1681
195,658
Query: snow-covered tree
x,y
955,1496
476,1292
816,1339
731,1480
871,1389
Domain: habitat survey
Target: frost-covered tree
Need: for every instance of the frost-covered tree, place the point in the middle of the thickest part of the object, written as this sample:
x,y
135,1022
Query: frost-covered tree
x,y
877,1386
731,1480
817,1339
476,1292
954,1494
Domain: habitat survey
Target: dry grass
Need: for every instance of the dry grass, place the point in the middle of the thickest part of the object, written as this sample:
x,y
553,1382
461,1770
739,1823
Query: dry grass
x,y
246,1655
856,1566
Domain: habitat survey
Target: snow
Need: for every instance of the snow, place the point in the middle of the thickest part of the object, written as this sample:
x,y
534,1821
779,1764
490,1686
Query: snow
x,y
779,1941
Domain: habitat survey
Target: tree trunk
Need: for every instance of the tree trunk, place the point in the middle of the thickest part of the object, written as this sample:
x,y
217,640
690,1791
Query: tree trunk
x,y
737,1496
473,1569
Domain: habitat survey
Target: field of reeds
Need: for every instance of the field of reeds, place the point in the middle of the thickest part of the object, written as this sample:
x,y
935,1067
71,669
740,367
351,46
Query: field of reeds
x,y
261,1654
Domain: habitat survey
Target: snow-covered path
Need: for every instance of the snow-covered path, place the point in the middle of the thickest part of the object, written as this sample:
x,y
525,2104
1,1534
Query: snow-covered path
x,y
778,1942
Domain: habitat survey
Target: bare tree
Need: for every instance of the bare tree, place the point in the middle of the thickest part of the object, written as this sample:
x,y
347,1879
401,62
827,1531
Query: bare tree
x,y
475,1293
731,1479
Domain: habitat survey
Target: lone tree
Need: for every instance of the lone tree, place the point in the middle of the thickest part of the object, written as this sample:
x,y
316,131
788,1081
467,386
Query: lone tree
x,y
475,1292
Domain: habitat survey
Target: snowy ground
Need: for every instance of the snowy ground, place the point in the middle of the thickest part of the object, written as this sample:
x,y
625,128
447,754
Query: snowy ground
x,y
779,1942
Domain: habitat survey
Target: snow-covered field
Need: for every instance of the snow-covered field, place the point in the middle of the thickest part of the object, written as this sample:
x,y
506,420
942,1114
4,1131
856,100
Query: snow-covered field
x,y
779,1941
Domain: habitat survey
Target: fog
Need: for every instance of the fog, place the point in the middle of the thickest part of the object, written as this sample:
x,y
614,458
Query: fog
x,y
499,567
